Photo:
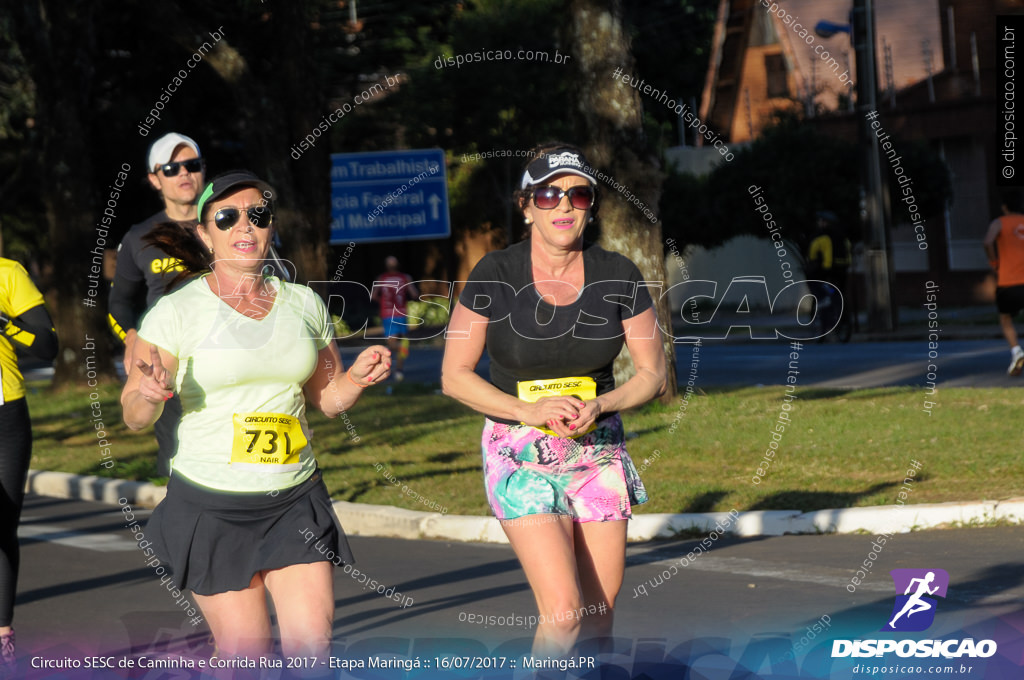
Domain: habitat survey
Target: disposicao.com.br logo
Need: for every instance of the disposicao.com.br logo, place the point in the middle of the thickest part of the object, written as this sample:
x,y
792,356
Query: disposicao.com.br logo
x,y
914,611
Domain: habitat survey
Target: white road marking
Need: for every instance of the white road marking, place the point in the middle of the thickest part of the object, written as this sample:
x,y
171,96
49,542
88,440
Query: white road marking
x,y
100,542
877,582
825,576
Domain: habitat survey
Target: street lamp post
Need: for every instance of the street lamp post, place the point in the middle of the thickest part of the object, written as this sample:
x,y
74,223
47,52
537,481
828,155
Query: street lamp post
x,y
873,213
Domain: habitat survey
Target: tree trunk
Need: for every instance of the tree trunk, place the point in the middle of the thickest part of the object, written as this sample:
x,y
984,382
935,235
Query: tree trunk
x,y
59,44
296,100
613,123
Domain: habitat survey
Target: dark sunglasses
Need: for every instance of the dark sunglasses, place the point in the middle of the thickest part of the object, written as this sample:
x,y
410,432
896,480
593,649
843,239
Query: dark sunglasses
x,y
259,216
580,197
191,165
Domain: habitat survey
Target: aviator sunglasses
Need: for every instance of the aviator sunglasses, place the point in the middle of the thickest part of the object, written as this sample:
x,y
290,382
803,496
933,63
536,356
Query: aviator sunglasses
x,y
547,198
259,216
191,165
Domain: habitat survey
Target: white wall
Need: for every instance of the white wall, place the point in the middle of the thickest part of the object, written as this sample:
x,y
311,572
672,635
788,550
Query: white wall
x,y
742,256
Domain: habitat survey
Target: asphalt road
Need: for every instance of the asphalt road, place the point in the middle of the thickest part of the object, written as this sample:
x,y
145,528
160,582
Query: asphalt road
x,y
958,363
86,590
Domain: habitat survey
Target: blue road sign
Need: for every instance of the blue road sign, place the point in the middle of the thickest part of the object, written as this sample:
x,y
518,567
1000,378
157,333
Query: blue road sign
x,y
389,196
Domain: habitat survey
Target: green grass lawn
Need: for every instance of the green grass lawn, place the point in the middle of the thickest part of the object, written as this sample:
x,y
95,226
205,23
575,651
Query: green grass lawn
x,y
842,448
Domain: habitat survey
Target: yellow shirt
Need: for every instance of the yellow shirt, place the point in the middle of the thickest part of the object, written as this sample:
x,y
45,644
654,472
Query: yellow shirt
x,y
17,295
821,248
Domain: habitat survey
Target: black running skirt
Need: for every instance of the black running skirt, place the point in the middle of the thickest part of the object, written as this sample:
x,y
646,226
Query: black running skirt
x,y
213,542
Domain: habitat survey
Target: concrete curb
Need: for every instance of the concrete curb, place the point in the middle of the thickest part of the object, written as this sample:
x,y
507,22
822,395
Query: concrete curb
x,y
361,519
88,488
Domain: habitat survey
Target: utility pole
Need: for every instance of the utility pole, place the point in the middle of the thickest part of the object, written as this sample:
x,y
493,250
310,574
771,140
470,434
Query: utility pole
x,y
881,315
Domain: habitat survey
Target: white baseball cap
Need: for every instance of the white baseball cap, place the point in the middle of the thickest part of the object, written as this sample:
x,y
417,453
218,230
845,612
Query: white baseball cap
x,y
162,149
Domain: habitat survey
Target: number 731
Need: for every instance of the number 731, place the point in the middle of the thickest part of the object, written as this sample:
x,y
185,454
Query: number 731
x,y
271,445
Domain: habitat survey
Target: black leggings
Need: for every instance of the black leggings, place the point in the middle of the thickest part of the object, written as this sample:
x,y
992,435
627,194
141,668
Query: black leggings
x,y
15,451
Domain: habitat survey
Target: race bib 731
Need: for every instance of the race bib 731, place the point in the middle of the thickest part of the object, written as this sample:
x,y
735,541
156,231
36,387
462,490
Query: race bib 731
x,y
266,439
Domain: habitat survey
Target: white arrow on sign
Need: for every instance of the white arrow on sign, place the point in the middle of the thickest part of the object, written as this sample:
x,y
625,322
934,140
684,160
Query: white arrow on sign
x,y
434,201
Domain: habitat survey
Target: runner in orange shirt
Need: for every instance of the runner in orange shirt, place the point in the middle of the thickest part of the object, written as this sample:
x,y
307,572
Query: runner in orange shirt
x,y
1004,245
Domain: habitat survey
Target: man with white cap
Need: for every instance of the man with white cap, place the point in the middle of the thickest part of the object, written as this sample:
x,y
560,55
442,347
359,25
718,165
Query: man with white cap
x,y
175,170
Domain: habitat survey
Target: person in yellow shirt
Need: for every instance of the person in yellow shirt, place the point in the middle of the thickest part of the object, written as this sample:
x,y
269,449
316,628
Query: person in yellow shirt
x,y
828,260
24,324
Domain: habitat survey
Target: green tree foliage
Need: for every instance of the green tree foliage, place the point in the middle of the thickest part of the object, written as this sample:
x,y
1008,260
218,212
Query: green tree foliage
x,y
94,72
497,107
19,236
493,105
671,43
78,80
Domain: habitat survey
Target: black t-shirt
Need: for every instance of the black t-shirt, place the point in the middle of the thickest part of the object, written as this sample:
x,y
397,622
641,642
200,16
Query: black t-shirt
x,y
138,261
529,339
142,274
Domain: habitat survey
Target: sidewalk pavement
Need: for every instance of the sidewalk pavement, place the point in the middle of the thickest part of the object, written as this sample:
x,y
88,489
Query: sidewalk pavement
x,y
360,519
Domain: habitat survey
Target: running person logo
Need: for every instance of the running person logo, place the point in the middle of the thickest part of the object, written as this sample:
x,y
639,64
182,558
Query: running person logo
x,y
914,610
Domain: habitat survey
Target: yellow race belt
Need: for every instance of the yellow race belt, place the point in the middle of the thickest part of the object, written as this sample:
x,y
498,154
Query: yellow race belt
x,y
583,388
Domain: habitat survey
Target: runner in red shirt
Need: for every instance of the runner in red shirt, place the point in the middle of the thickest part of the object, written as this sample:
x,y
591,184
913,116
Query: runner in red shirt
x,y
391,290
1004,245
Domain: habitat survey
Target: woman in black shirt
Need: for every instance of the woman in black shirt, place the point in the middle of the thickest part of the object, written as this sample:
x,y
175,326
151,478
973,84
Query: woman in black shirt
x,y
553,313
